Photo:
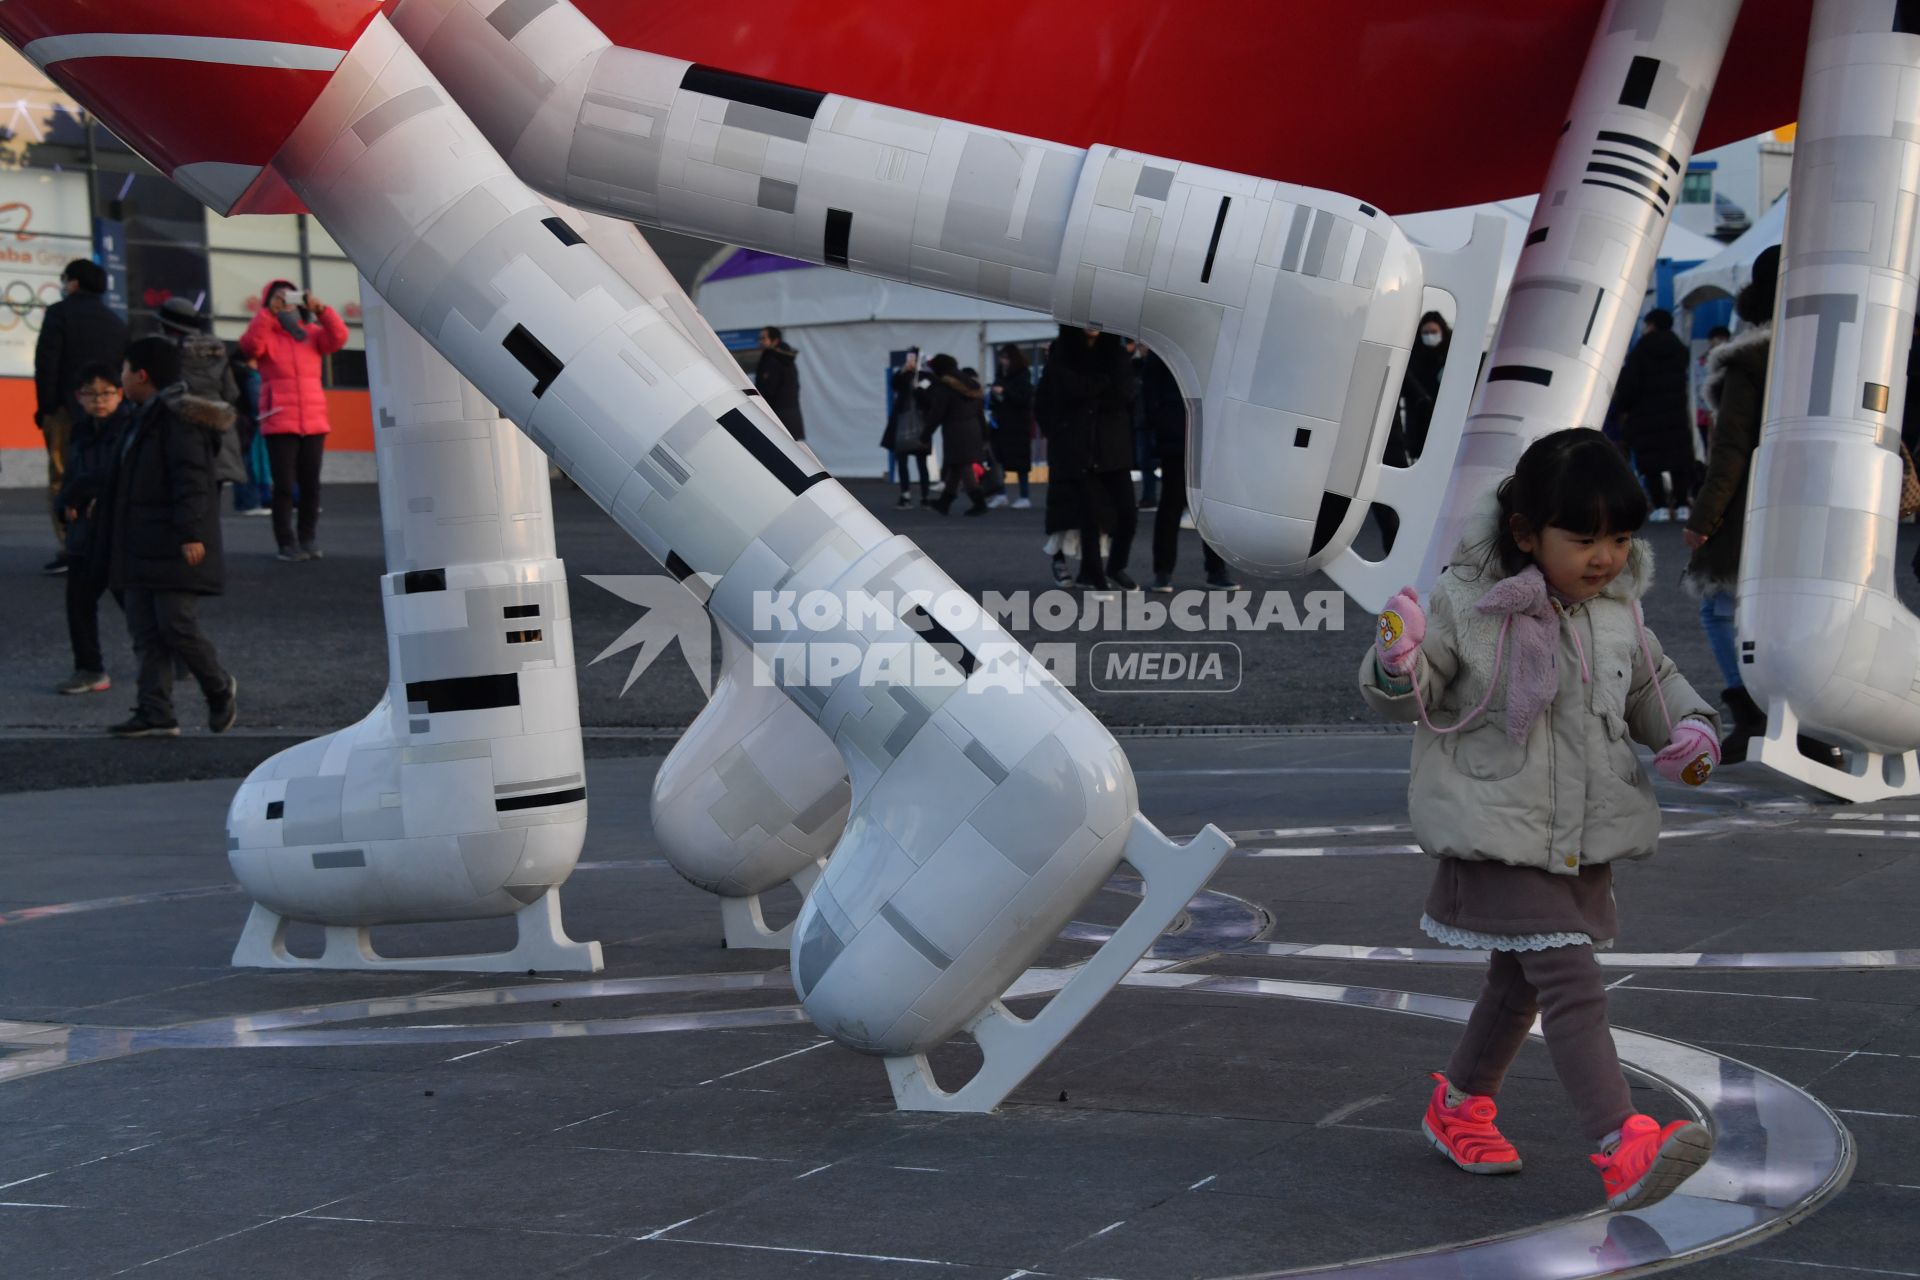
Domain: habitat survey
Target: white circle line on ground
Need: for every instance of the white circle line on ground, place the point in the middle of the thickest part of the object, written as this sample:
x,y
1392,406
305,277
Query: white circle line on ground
x,y
1780,1153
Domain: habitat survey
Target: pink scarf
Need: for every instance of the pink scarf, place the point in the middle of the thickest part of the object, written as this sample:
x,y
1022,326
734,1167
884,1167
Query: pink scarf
x,y
1533,676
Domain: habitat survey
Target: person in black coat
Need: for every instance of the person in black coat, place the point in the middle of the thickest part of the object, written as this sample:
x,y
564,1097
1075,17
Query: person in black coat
x,y
905,409
1012,399
777,379
952,406
78,331
1165,408
164,531
1085,404
93,446
1655,402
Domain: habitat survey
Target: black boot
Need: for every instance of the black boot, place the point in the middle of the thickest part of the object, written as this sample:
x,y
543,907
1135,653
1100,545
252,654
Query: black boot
x,y
1748,720
978,507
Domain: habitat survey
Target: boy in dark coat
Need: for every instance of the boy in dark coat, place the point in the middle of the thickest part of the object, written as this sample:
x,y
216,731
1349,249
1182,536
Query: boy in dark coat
x,y
165,537
93,444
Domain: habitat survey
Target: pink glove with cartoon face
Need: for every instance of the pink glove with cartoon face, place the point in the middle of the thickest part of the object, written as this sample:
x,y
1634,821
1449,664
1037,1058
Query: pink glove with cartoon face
x,y
1402,627
1692,754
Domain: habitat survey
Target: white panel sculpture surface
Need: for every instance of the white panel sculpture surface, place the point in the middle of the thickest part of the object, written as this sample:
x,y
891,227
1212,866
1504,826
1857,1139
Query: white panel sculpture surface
x,y
1825,644
462,795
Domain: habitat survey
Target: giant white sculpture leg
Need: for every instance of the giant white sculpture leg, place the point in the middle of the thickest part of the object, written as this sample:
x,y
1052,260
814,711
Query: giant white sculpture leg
x,y
1575,296
1825,644
987,803
462,795
752,796
1284,311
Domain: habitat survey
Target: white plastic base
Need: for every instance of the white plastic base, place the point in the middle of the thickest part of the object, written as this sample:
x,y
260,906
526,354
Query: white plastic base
x,y
543,944
743,926
1013,1046
1869,775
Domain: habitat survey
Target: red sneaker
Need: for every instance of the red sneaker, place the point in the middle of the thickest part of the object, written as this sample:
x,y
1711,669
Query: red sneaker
x,y
1651,1162
1465,1134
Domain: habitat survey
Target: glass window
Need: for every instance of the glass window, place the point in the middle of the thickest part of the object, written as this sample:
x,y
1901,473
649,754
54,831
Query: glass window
x,y
338,285
43,226
319,242
239,277
1697,187
262,233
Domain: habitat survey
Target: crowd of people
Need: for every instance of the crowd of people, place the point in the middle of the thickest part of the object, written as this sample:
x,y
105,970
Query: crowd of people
x,y
1104,408
141,434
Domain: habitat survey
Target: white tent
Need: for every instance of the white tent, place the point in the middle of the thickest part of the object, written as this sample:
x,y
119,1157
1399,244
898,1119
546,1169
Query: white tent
x,y
1449,229
1726,273
846,328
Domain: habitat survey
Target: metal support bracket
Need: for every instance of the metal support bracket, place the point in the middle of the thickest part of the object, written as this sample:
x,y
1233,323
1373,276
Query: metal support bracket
x,y
1869,775
543,944
745,927
1013,1046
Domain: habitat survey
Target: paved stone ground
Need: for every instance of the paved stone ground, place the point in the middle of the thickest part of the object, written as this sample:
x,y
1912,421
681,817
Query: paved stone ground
x,y
1171,1136
307,645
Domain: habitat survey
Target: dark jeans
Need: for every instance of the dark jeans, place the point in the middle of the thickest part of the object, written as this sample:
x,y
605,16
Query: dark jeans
x,y
1106,503
919,460
165,627
1564,986
296,461
1166,522
83,617
1144,457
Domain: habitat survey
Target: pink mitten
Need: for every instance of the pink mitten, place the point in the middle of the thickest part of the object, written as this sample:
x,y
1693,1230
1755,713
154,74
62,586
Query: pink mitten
x,y
1691,756
1402,627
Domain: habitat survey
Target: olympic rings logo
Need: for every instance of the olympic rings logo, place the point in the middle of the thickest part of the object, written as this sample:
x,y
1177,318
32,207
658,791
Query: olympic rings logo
x,y
24,303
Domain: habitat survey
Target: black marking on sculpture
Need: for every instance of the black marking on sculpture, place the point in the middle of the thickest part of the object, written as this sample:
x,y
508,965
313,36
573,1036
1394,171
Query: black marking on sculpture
x,y
466,693
539,800
839,234
1213,245
1639,83
1627,139
561,231
1520,373
771,94
768,454
1641,196
1631,175
423,580
534,358
943,641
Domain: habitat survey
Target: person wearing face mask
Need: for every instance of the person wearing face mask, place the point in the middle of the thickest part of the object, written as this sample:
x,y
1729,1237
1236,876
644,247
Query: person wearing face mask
x,y
289,337
1421,387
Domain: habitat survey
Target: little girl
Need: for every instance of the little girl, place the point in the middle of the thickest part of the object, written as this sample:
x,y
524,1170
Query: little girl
x,y
1531,678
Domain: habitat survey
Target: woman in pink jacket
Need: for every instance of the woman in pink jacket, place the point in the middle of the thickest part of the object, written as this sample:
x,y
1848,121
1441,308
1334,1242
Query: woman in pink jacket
x,y
289,336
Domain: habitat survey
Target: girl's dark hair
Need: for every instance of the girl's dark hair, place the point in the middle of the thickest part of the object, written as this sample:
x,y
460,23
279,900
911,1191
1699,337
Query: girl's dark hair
x,y
1434,317
1573,479
1016,358
944,365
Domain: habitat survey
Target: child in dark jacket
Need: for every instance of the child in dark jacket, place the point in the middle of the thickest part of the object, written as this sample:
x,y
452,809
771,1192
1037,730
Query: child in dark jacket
x,y
92,448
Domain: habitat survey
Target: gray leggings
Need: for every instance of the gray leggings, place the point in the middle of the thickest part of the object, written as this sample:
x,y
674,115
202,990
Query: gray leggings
x,y
1564,986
